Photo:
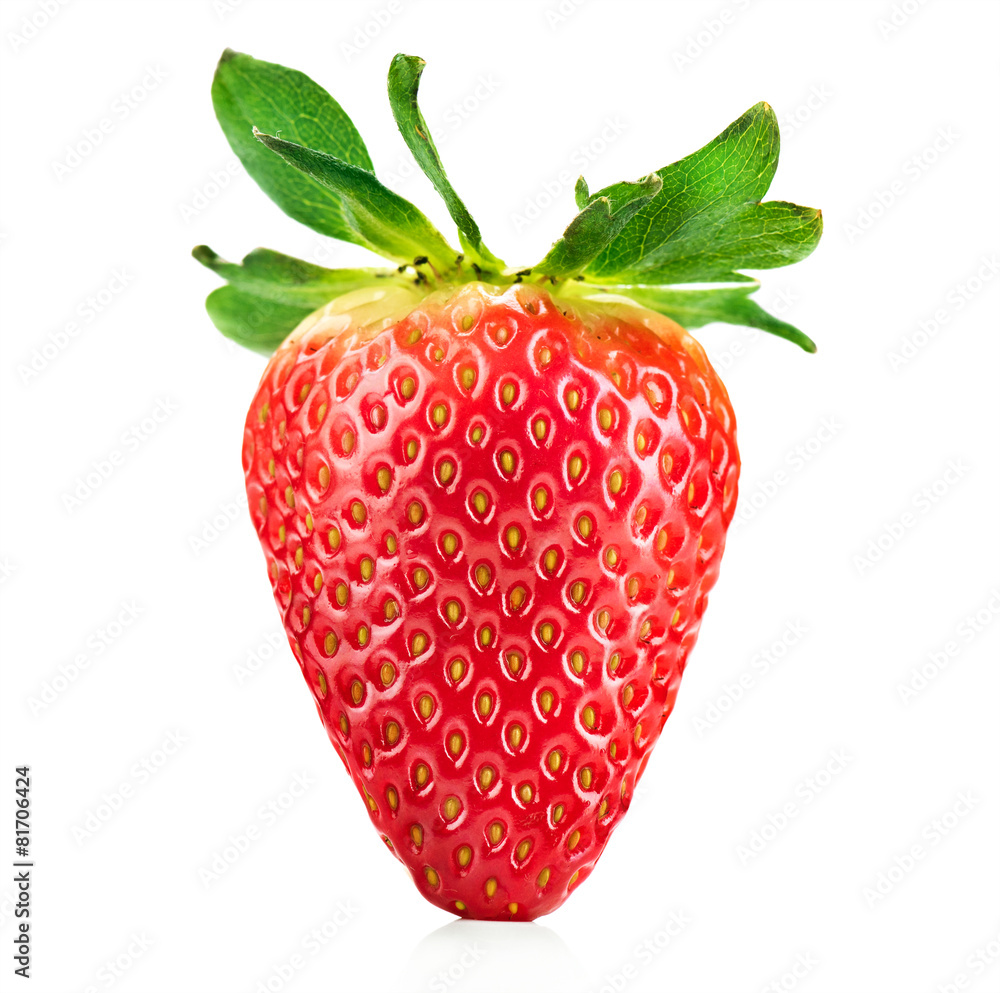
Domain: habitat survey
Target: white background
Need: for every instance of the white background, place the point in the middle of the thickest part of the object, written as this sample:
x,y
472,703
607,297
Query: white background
x,y
873,98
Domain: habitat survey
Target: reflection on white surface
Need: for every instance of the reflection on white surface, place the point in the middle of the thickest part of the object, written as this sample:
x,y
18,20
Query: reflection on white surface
x,y
493,957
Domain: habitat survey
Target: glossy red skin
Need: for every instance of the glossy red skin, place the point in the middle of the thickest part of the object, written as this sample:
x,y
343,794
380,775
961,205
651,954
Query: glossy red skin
x,y
667,562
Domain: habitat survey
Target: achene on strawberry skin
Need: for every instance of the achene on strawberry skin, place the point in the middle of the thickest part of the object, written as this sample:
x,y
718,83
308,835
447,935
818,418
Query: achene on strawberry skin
x,y
493,501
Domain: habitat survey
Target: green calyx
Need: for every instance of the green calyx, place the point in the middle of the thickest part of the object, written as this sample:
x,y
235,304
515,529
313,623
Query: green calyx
x,y
673,241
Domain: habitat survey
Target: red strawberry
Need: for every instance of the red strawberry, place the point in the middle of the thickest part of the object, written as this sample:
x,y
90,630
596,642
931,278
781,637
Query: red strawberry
x,y
492,509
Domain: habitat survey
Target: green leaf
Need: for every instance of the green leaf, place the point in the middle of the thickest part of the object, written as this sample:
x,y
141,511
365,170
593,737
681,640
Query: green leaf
x,y
707,221
692,308
379,219
248,93
273,276
597,224
253,321
404,81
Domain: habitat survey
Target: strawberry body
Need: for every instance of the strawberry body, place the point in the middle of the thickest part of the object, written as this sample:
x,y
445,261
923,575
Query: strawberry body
x,y
491,528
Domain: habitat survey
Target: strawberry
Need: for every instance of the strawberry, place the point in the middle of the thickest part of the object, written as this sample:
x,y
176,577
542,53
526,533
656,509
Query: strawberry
x,y
492,502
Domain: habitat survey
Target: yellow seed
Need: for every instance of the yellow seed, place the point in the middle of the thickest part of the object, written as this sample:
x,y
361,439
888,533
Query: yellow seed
x,y
640,515
463,856
439,415
467,322
457,670
544,356
522,850
491,884
513,537
289,496
330,643
486,775
357,691
485,636
371,801
573,840
451,808
422,774
417,834
415,513
541,428
644,630
309,522
358,512
366,567
392,797
449,542
614,662
611,556
575,466
459,905
501,336
640,442
384,479
324,477
420,577
387,673
675,618
485,704
668,463
483,576
573,399
318,582
262,504
589,717
468,375
262,415
584,525
551,560
543,878
546,700
390,543
340,594
627,693
577,592
604,418
496,833
432,876
411,450
603,619
366,753
453,611
438,354
445,471
508,393
576,875
557,813
321,683
347,442
426,706
517,597
577,660
362,635
526,792
615,481
418,644
638,733
476,435
514,662
541,499
586,777
480,502
515,735
407,387
321,413
507,461
270,468
555,759
454,743
687,420
298,556
613,749
333,538
546,632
